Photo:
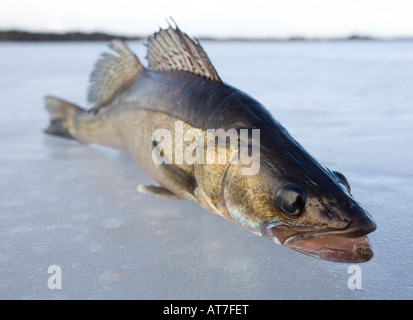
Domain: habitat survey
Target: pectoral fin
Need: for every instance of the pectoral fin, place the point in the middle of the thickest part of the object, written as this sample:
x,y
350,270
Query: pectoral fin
x,y
175,177
157,190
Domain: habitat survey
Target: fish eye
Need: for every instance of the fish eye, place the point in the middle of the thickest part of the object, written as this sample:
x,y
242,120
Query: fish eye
x,y
343,180
290,200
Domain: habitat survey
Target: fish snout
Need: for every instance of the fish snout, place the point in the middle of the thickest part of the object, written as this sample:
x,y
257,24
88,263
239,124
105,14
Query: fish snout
x,y
359,226
360,221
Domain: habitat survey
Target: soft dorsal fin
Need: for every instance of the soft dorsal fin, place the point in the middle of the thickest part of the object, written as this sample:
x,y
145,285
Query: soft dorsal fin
x,y
112,74
173,50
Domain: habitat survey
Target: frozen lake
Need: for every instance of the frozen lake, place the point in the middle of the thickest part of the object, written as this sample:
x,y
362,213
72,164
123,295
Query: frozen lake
x,y
350,104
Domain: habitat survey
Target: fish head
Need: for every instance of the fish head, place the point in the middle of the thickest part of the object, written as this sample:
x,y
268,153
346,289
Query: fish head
x,y
298,203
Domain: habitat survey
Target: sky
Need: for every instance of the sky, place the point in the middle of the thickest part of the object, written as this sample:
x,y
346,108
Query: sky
x,y
216,18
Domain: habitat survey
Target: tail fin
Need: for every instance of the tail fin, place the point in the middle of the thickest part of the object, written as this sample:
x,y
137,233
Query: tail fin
x,y
61,117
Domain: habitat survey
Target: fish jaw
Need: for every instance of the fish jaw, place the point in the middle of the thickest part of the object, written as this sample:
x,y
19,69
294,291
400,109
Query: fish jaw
x,y
347,245
335,248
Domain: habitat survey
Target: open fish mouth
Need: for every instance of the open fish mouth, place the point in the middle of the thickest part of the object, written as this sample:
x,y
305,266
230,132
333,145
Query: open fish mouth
x,y
347,245
333,248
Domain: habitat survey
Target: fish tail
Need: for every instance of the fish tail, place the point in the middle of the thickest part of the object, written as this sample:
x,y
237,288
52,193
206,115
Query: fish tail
x,y
62,114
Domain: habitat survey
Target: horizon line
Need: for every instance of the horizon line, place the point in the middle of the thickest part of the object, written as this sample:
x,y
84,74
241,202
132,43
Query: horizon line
x,y
16,35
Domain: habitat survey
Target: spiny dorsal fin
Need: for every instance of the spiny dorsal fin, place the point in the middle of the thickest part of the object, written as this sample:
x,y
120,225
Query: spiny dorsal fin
x,y
171,49
112,74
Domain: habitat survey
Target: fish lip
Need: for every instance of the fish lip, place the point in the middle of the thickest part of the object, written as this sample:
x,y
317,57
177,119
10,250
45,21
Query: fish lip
x,y
312,235
349,250
355,229
347,245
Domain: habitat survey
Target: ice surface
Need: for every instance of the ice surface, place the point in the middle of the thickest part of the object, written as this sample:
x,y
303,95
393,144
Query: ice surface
x,y
350,104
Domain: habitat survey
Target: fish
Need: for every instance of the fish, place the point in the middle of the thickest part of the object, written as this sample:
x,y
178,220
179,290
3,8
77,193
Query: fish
x,y
178,107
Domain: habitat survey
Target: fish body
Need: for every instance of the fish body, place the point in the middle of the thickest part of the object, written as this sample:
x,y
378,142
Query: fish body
x,y
290,198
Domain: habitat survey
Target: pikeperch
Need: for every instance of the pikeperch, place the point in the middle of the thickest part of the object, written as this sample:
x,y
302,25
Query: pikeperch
x,y
174,118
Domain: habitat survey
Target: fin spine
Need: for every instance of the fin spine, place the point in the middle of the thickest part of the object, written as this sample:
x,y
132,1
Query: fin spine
x,y
173,50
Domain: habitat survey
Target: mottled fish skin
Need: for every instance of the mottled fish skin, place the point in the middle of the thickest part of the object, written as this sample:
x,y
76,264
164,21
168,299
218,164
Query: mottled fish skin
x,y
293,200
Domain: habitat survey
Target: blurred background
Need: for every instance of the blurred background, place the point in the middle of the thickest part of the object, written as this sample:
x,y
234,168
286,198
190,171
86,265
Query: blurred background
x,y
337,74
221,19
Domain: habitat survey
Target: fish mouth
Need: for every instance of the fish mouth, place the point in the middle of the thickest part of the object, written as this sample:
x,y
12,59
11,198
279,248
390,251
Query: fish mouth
x,y
347,245
334,248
